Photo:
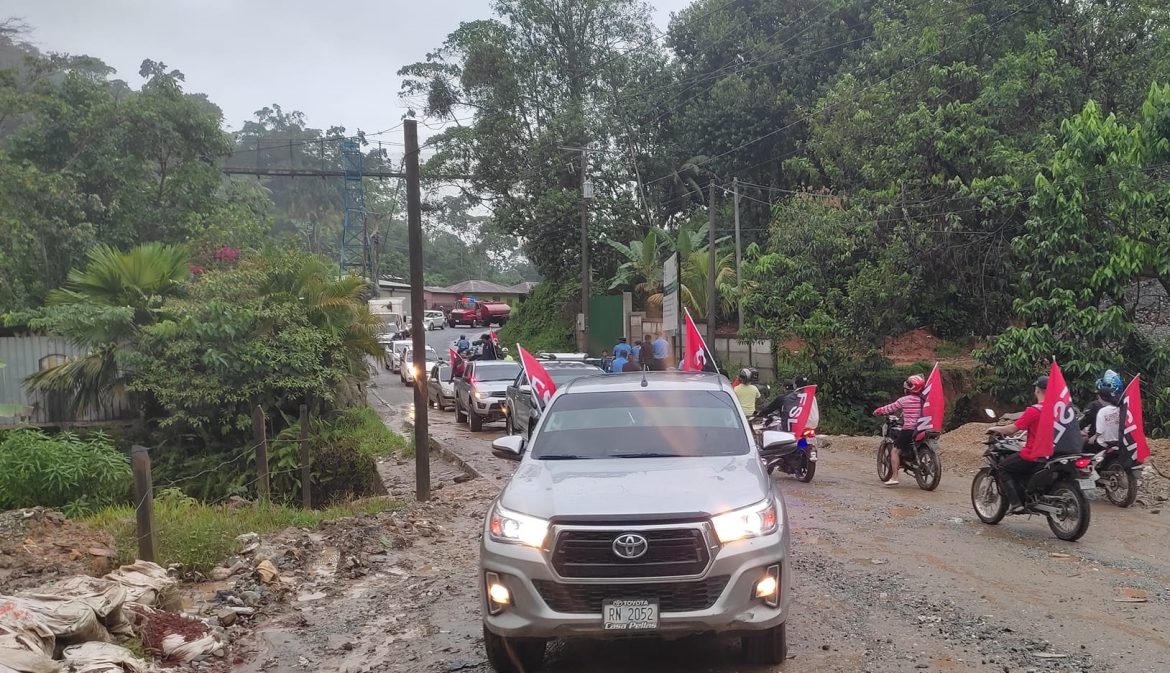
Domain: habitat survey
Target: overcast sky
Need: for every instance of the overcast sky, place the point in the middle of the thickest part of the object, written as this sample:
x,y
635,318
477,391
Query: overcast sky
x,y
334,61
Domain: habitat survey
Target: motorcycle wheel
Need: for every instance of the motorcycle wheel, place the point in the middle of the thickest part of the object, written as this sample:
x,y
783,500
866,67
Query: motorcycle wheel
x,y
883,460
1119,484
1073,522
929,470
987,499
805,471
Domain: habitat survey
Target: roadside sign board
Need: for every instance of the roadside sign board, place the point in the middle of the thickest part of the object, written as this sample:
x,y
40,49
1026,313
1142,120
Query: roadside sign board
x,y
670,294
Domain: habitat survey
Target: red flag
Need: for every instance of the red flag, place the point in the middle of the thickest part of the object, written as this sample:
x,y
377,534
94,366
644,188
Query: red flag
x,y
696,356
1056,431
495,337
1133,434
934,404
798,413
542,384
452,353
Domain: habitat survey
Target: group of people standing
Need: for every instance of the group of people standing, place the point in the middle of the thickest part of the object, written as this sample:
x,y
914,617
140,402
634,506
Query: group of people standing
x,y
651,352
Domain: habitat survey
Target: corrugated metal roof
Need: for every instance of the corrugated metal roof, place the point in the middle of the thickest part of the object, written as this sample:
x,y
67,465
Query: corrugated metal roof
x,y
479,287
26,355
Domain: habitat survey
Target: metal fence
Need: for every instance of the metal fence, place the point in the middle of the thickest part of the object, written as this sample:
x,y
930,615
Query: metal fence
x,y
26,355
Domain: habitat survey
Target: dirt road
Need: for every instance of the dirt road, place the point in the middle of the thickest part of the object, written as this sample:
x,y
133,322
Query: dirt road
x,y
888,579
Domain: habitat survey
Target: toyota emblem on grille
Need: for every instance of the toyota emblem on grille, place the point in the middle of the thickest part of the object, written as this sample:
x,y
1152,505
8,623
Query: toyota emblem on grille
x,y
630,546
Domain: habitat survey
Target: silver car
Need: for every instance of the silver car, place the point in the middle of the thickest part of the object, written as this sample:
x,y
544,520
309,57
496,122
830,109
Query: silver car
x,y
640,507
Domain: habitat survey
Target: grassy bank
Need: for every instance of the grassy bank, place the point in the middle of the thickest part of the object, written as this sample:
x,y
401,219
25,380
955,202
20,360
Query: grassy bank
x,y
198,536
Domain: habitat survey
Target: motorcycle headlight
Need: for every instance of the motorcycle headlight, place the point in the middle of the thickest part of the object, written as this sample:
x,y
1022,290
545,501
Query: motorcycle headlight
x,y
754,521
515,528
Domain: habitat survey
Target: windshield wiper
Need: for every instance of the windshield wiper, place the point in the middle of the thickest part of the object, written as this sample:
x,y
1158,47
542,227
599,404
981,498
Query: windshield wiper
x,y
561,456
646,455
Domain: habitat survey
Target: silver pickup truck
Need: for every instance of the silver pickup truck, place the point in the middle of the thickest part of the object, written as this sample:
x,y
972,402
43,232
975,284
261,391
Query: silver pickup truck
x,y
640,507
520,409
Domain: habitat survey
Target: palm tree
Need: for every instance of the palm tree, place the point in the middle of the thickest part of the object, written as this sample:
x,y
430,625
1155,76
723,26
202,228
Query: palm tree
x,y
102,308
691,246
693,283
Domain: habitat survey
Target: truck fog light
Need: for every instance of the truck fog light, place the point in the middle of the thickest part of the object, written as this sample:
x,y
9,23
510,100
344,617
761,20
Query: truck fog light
x,y
768,588
498,594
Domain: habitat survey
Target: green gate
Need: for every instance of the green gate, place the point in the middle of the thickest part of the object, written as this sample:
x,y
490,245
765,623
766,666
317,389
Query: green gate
x,y
605,322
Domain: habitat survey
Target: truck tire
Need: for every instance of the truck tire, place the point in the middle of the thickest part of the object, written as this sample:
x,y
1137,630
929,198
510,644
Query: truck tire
x,y
528,654
766,648
460,415
475,420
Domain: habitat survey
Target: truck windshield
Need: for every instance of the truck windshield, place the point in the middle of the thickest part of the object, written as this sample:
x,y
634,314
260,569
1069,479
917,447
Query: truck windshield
x,y
642,424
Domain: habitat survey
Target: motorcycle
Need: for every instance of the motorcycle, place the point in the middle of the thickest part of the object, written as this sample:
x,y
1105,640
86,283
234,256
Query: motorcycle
x,y
1116,479
785,451
922,461
1055,491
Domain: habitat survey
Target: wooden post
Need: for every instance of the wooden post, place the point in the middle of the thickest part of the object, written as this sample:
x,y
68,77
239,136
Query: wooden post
x,y
144,499
260,433
414,236
306,472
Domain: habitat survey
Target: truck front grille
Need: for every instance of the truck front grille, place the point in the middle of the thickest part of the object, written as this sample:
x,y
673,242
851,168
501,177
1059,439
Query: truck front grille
x,y
678,552
671,596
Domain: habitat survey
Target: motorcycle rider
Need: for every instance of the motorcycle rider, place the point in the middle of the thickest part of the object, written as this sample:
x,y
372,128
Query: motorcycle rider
x,y
462,345
1108,394
910,405
814,414
787,393
1021,466
747,394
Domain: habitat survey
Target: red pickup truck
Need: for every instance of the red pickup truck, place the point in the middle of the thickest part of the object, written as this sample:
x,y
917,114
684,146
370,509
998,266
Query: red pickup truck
x,y
476,313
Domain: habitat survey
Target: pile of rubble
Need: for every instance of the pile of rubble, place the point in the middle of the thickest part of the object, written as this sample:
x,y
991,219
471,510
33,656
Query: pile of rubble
x,y
304,564
38,546
76,623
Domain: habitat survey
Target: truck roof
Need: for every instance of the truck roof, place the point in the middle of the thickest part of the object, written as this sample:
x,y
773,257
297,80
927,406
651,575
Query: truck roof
x,y
632,381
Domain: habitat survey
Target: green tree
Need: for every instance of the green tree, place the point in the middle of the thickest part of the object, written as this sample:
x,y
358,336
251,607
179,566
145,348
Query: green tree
x,y
538,78
1099,231
103,308
276,330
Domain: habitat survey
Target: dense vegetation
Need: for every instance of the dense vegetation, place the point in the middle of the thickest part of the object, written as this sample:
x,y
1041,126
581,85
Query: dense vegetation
x,y
980,169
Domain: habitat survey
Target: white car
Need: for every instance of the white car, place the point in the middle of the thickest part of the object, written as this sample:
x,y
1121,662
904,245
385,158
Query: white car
x,y
394,353
434,320
406,368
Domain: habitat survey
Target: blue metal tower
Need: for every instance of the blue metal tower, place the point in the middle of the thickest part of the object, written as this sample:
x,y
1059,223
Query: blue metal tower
x,y
355,241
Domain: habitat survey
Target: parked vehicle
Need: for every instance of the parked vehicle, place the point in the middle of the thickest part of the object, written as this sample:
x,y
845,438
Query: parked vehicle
x,y
395,353
636,511
1055,491
784,451
476,313
479,393
406,369
922,461
521,411
440,388
434,320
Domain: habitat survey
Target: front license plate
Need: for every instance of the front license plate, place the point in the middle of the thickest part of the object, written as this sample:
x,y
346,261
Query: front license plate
x,y
630,615
1087,484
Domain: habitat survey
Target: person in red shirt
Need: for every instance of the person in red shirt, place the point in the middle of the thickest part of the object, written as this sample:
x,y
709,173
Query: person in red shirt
x,y
1022,465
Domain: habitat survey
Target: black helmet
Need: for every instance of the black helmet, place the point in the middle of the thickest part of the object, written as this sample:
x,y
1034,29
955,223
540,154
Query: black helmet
x,y
1041,383
800,381
789,384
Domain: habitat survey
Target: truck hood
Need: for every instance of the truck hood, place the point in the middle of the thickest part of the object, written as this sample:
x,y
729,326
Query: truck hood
x,y
635,486
493,388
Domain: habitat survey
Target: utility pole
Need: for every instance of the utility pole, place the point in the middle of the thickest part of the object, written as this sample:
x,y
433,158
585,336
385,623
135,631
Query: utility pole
x,y
418,334
711,264
738,255
586,195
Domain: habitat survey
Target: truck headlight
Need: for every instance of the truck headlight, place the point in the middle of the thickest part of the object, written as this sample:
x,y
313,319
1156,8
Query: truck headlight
x,y
515,528
752,521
